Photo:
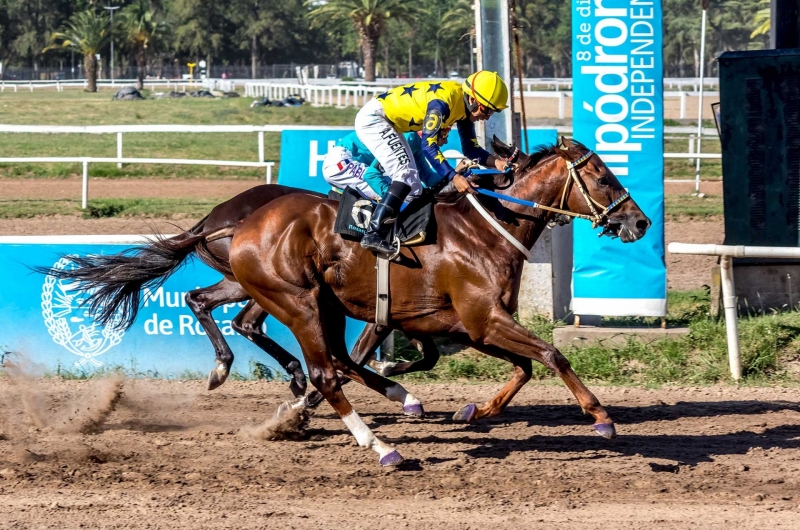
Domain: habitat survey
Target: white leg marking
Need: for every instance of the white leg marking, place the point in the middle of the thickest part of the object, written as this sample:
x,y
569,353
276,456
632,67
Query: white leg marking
x,y
397,393
364,436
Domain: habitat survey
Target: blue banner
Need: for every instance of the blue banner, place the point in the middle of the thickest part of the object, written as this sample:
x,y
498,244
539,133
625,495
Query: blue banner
x,y
41,319
617,77
302,152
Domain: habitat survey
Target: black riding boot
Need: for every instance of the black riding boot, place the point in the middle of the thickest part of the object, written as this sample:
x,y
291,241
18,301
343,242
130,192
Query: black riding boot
x,y
382,218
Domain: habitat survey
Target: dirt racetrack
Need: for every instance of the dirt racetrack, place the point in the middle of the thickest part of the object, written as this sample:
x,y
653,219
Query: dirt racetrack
x,y
171,456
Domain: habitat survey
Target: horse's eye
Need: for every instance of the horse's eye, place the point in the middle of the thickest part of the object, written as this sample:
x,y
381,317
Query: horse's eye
x,y
603,181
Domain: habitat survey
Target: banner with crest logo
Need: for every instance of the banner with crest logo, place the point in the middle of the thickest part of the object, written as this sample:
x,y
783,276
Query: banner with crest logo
x,y
43,321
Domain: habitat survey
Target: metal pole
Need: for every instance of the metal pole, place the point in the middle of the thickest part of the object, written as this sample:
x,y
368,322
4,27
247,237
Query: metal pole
x,y
111,10
731,316
261,146
700,103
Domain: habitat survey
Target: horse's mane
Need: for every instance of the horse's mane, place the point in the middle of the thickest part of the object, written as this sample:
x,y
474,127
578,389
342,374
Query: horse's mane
x,y
450,194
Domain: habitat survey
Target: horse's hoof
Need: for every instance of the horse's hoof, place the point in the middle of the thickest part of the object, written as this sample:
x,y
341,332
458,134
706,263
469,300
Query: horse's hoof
x,y
385,368
415,411
466,414
215,380
606,430
391,459
297,388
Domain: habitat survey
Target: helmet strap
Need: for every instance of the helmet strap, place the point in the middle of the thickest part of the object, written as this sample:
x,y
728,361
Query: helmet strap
x,y
473,106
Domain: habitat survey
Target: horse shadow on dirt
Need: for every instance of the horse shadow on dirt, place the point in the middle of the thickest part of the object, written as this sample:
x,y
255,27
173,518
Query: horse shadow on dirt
x,y
684,449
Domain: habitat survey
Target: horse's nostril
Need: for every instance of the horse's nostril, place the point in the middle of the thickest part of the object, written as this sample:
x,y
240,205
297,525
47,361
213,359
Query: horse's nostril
x,y
642,225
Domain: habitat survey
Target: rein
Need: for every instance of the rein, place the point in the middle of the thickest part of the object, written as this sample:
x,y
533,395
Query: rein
x,y
598,218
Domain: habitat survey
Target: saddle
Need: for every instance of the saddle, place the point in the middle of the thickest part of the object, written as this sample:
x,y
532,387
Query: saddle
x,y
415,225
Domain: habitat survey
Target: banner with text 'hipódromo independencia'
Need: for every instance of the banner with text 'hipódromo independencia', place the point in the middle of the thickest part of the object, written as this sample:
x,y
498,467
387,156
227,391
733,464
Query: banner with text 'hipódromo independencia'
x,y
618,112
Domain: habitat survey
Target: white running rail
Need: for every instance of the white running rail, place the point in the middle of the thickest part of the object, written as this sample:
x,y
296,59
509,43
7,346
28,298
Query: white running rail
x,y
726,252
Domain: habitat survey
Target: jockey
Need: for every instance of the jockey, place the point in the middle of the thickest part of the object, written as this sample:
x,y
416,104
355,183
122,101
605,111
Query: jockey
x,y
427,107
349,163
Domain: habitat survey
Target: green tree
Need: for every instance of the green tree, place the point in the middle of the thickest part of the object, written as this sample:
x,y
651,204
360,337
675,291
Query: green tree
x,y
141,26
369,17
86,32
201,28
762,20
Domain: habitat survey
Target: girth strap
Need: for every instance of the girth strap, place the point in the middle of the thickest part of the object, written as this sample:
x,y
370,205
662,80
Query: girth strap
x,y
382,301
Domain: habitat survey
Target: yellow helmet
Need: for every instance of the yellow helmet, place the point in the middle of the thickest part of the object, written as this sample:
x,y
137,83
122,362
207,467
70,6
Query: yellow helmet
x,y
488,89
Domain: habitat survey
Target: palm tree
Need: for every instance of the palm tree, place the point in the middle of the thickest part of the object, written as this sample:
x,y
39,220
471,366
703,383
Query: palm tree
x,y
369,18
762,19
460,21
86,32
140,26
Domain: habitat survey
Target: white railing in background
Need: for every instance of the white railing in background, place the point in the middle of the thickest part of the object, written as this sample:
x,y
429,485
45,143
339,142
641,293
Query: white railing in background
x,y
345,95
178,85
85,161
726,252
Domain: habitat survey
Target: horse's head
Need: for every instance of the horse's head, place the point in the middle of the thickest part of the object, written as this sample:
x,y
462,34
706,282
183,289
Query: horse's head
x,y
585,186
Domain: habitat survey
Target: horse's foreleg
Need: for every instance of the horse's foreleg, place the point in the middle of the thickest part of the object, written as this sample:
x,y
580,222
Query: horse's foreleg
x,y
502,332
496,405
249,323
202,302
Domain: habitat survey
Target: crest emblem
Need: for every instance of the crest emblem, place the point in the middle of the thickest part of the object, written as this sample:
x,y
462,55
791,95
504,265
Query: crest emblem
x,y
362,213
71,325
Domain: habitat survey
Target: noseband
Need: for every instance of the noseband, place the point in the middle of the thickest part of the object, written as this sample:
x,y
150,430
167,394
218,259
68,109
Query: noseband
x,y
597,218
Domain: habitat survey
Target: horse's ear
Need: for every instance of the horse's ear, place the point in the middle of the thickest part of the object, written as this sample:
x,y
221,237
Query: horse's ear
x,y
565,149
501,148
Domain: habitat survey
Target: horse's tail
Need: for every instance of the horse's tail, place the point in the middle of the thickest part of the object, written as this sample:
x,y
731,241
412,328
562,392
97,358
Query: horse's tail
x,y
116,281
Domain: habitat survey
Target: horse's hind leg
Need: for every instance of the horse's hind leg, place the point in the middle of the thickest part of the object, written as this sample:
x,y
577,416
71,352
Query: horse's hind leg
x,y
202,302
312,333
249,323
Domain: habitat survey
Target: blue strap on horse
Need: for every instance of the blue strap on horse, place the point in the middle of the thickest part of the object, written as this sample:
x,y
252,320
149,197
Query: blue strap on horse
x,y
508,198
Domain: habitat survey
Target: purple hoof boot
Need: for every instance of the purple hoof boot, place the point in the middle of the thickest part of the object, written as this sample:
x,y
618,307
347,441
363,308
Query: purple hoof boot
x,y
606,430
466,414
392,459
415,411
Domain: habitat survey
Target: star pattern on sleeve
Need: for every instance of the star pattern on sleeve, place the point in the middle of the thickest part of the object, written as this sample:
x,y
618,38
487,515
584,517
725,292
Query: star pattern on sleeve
x,y
409,90
475,142
433,139
440,158
433,87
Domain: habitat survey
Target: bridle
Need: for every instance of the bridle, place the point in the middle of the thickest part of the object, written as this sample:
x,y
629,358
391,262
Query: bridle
x,y
597,217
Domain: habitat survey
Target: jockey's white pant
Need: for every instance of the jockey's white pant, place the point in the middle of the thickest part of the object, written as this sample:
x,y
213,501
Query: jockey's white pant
x,y
340,170
387,145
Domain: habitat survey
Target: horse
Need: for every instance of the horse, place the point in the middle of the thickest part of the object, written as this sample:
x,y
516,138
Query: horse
x,y
464,286
117,280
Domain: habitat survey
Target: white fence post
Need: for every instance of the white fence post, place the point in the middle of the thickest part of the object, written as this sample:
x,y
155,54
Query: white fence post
x,y
731,316
261,146
85,185
561,99
269,172
119,149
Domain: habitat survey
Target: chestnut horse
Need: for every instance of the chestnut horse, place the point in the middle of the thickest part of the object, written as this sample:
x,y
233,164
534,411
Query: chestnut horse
x,y
117,281
464,286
